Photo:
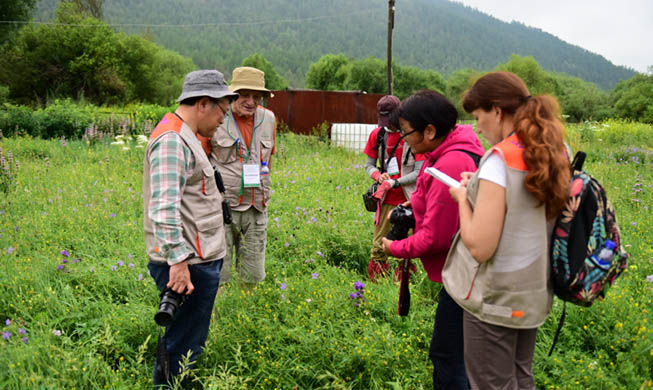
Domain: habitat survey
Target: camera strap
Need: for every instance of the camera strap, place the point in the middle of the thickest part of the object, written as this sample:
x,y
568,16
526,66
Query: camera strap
x,y
162,372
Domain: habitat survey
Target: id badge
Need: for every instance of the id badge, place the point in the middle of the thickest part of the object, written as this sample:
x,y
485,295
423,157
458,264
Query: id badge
x,y
251,175
393,167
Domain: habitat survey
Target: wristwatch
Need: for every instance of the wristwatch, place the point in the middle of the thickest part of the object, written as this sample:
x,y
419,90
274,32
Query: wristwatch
x,y
396,183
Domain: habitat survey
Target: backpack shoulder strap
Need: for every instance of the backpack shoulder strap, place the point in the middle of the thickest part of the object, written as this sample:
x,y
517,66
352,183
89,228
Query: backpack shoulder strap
x,y
474,156
380,147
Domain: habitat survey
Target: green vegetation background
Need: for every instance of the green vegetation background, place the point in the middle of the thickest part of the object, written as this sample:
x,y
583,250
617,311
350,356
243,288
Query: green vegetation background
x,y
87,317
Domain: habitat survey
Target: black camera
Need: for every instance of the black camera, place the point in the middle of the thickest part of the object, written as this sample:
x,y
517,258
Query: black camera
x,y
402,221
170,302
226,209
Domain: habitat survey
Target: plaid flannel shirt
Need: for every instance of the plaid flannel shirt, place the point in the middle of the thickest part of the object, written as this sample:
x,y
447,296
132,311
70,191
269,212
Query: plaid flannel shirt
x,y
171,164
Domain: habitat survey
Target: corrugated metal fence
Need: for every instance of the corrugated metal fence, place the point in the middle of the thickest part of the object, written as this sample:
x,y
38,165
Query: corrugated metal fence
x,y
303,110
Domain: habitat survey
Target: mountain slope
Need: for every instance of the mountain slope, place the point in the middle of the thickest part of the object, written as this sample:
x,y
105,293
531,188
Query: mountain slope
x,y
429,34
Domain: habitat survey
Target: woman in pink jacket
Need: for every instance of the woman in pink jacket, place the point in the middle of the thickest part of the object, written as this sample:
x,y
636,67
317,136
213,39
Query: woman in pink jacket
x,y
428,124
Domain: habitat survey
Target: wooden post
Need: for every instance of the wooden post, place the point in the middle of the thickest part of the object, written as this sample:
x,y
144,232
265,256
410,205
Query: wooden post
x,y
391,25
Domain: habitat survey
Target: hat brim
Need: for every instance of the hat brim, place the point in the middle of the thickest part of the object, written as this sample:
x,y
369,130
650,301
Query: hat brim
x,y
238,87
212,94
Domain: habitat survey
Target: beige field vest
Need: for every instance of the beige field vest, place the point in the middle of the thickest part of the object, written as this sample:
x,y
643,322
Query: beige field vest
x,y
200,209
513,288
230,153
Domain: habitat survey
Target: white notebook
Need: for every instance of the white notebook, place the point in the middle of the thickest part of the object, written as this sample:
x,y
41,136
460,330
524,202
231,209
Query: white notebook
x,y
443,177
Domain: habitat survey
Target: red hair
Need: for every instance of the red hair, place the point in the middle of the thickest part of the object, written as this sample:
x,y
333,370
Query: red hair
x,y
536,121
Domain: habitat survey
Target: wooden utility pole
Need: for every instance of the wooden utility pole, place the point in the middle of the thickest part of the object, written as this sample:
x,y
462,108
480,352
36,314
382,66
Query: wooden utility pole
x,y
391,25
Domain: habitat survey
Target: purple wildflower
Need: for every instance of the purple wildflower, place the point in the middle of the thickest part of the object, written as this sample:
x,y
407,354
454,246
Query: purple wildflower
x,y
140,277
353,296
129,256
10,250
113,268
286,244
65,261
6,335
56,332
649,278
121,263
21,331
283,286
131,265
314,275
358,285
61,267
65,253
7,322
113,215
320,254
76,260
25,339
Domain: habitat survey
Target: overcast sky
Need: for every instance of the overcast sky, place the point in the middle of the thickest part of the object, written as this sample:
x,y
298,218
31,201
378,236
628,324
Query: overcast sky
x,y
619,30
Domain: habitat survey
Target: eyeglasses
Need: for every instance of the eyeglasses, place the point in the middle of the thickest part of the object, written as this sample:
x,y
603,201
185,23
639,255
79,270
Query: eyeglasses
x,y
403,135
224,110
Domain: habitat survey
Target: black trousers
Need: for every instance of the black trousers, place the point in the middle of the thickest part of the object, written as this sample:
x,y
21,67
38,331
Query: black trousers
x,y
447,349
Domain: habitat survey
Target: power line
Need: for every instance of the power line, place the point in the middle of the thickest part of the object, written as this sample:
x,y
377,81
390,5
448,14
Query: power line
x,y
281,21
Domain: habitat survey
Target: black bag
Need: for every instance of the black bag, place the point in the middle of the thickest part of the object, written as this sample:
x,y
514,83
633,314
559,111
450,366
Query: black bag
x,y
369,201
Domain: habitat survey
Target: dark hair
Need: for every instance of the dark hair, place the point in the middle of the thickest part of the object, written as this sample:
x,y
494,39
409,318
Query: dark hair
x,y
394,118
192,100
538,127
426,107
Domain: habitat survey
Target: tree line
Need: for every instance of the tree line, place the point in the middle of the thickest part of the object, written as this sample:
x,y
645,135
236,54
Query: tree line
x,y
82,57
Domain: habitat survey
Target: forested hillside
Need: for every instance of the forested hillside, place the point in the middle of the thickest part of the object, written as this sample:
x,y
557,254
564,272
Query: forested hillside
x,y
429,34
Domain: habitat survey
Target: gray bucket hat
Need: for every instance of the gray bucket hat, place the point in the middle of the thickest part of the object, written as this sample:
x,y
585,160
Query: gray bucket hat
x,y
205,83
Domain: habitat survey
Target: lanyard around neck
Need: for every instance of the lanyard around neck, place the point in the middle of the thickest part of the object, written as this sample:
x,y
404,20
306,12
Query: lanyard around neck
x,y
251,142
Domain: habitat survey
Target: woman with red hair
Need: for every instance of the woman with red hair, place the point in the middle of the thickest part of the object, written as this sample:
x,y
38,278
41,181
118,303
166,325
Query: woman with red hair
x,y
498,266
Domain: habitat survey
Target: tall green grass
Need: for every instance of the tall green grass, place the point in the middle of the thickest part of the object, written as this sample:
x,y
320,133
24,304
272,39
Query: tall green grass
x,y
87,317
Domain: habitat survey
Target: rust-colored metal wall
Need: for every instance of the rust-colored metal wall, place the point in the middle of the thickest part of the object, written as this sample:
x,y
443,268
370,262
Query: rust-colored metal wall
x,y
302,110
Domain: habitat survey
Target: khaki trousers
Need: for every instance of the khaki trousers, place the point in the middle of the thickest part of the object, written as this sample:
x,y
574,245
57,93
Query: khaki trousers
x,y
496,357
381,230
246,240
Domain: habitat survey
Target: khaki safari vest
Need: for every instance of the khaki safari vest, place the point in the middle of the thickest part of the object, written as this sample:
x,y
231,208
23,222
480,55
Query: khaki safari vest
x,y
200,209
513,288
230,153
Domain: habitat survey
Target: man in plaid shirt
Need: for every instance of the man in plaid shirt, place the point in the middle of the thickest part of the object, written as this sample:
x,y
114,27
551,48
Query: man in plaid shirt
x,y
184,229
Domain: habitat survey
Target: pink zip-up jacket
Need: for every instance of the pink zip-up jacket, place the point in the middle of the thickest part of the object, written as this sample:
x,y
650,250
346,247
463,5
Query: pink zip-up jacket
x,y
436,213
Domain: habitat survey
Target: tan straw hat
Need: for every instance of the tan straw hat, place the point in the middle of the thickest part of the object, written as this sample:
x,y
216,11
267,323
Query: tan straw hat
x,y
246,77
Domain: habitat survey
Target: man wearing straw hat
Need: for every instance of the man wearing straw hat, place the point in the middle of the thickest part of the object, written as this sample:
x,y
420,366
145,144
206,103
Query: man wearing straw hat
x,y
184,230
243,147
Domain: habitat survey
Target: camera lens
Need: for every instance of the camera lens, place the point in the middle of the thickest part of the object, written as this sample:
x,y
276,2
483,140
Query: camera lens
x,y
170,301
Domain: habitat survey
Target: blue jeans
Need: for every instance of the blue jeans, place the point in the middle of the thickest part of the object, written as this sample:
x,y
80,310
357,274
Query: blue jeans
x,y
447,349
190,326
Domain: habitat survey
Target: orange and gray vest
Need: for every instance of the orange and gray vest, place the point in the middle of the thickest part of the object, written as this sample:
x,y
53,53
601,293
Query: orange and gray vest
x,y
230,153
513,288
200,208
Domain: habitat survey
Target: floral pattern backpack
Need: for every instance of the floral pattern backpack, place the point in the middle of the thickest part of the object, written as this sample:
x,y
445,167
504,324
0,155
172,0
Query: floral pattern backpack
x,y
580,233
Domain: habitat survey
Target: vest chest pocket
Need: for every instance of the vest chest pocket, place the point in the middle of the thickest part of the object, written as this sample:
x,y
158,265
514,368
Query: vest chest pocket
x,y
209,187
226,150
266,149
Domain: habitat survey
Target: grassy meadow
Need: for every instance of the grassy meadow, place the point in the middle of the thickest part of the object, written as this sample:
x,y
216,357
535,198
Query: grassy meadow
x,y
77,305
